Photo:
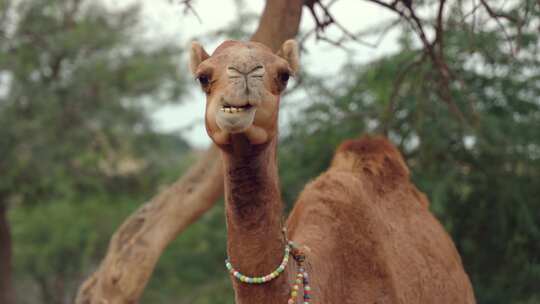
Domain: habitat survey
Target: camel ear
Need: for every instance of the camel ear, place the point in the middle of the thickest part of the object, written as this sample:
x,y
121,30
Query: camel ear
x,y
289,52
196,56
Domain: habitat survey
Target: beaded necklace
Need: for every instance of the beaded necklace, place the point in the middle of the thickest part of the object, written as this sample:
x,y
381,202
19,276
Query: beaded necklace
x,y
302,278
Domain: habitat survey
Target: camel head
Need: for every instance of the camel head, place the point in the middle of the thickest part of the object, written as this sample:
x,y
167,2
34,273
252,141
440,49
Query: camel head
x,y
243,82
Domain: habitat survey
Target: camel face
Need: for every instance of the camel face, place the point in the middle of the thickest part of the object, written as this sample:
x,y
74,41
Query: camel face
x,y
243,82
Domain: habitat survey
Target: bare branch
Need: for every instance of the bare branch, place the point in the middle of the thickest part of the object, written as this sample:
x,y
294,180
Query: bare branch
x,y
327,20
497,15
137,245
439,28
188,7
434,50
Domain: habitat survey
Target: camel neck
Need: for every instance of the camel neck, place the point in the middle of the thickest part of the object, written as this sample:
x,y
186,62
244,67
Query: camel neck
x,y
255,243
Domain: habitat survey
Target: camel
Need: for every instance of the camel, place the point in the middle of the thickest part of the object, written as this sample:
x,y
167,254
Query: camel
x,y
363,228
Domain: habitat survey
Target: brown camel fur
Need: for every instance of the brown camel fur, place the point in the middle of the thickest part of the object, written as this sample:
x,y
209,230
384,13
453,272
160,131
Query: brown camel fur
x,y
365,229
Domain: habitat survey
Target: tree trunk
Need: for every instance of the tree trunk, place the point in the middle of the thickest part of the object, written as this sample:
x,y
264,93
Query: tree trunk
x,y
7,294
280,21
137,245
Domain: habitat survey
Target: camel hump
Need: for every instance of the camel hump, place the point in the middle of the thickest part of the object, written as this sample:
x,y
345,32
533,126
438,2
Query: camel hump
x,y
373,155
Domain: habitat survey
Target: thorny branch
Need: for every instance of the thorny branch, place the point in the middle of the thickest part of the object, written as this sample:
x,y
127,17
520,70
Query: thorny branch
x,y
326,20
404,9
433,49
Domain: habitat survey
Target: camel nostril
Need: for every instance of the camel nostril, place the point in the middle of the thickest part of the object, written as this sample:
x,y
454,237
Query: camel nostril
x,y
258,67
235,71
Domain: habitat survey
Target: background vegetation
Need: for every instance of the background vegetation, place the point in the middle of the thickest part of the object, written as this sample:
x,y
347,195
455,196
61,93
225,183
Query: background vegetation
x,y
78,151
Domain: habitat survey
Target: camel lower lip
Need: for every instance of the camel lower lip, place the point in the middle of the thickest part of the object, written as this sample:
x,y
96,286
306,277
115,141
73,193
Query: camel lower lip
x,y
235,121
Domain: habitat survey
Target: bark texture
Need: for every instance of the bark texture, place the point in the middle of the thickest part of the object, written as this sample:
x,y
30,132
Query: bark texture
x,y
280,21
7,294
136,246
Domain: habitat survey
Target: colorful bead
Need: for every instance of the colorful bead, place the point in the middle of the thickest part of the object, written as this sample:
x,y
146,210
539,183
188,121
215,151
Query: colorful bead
x,y
258,280
301,276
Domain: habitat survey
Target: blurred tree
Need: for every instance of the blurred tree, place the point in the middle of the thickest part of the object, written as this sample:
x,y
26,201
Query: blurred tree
x,y
76,90
482,172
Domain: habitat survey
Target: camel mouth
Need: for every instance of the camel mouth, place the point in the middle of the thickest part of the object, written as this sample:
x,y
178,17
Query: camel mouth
x,y
234,118
226,108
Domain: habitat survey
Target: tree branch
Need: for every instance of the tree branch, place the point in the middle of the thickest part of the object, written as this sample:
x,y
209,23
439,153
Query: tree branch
x,y
439,29
137,245
280,21
497,15
188,7
398,83
327,20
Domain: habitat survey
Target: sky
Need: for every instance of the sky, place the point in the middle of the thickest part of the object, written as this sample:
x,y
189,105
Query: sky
x,y
165,21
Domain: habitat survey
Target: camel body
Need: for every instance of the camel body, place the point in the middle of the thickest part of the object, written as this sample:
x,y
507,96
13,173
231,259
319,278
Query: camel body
x,y
368,234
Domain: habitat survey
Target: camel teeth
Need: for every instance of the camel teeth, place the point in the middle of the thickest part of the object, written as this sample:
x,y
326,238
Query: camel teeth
x,y
231,109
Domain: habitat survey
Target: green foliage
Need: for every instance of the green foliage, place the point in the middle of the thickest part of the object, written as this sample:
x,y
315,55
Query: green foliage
x,y
77,146
57,243
192,268
77,88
